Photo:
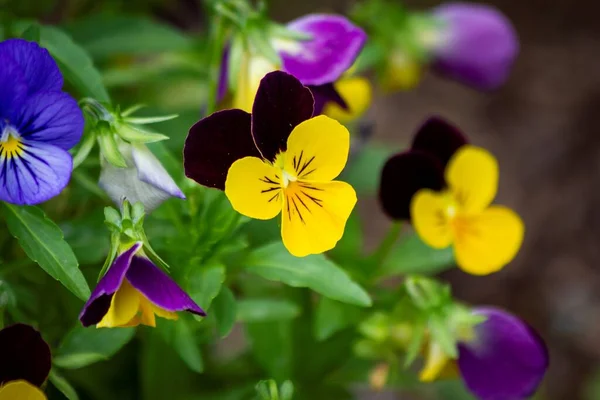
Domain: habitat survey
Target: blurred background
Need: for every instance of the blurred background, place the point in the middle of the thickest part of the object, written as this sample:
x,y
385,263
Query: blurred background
x,y
543,128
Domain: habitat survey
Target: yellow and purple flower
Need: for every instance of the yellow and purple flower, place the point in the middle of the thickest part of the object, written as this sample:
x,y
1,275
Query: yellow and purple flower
x,y
445,186
134,291
502,358
332,46
278,160
39,123
25,363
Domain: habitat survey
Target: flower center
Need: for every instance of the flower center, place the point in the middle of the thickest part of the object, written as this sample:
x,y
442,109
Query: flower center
x,y
10,142
287,178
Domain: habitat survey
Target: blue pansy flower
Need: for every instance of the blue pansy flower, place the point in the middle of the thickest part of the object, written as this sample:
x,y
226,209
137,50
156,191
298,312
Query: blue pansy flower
x,y
39,123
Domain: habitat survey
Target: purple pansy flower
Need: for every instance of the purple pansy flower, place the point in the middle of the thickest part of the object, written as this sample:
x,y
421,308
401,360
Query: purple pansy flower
x,y
506,360
39,123
476,45
134,291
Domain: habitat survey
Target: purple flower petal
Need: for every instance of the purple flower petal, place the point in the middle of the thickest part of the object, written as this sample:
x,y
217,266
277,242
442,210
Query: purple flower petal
x,y
38,67
402,176
281,103
13,87
99,302
216,142
506,361
159,288
223,75
335,45
438,138
479,44
51,117
38,174
324,94
23,355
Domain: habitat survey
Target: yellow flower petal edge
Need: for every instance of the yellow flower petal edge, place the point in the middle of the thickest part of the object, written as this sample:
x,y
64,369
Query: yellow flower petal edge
x,y
314,216
21,390
487,242
317,149
252,70
472,176
357,93
435,363
429,214
254,188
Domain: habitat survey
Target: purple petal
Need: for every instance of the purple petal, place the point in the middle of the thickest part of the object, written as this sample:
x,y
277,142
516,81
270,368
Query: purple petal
x,y
38,67
38,174
23,355
159,288
324,94
223,75
281,103
53,118
402,176
479,44
13,88
99,302
438,138
335,45
506,361
216,142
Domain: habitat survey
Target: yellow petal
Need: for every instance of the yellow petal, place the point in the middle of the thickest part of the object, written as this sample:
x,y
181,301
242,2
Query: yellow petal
x,y
161,312
252,70
317,149
357,94
487,242
401,73
254,188
435,363
124,306
21,390
314,216
472,175
429,216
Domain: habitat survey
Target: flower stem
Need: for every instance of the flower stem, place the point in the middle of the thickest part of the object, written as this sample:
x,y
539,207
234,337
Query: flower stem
x,y
381,253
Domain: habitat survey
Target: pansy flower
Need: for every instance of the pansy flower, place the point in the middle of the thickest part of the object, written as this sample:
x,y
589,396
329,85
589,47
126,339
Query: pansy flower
x,y
134,291
345,100
278,160
39,123
445,186
503,358
25,363
334,44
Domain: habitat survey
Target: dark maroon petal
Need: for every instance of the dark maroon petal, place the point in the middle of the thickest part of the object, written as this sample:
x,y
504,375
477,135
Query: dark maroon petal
x,y
280,104
23,355
99,302
324,94
402,176
438,138
159,288
507,360
216,142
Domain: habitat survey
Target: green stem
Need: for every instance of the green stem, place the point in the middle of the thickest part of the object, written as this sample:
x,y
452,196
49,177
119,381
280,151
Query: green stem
x,y
385,247
216,56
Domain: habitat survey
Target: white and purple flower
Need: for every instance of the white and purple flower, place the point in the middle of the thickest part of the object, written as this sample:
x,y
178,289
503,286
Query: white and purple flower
x,y
39,123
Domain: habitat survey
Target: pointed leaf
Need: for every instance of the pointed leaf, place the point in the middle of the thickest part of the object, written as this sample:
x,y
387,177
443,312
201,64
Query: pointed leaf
x,y
204,284
225,311
262,310
179,336
63,385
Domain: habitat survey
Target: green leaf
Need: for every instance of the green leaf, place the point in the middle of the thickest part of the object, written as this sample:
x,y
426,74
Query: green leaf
x,y
416,342
274,262
43,243
62,385
87,237
332,316
442,334
350,246
363,171
107,35
225,311
262,310
178,335
272,347
411,255
109,148
32,33
204,284
85,346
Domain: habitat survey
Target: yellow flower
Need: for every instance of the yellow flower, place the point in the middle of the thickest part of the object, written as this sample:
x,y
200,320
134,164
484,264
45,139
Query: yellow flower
x,y
357,94
21,390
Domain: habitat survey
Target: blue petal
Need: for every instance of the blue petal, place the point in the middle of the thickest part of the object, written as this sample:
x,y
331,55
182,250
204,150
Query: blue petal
x,y
39,173
13,88
38,67
51,117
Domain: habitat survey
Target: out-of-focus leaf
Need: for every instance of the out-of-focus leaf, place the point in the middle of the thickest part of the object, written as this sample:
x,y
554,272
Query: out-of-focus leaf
x,y
85,346
411,256
261,232
350,246
263,310
32,33
225,309
274,262
88,237
204,284
107,35
272,347
363,171
62,385
332,316
43,242
178,335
